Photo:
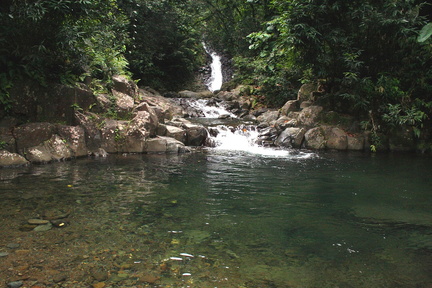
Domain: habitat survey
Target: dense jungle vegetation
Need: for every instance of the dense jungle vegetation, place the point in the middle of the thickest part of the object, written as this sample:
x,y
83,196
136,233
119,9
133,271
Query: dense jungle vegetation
x,y
372,57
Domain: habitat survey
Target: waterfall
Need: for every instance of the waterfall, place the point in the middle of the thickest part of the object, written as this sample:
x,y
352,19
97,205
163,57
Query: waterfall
x,y
216,78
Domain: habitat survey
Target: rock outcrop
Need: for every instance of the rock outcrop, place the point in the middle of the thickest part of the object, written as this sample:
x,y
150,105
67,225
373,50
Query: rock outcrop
x,y
129,120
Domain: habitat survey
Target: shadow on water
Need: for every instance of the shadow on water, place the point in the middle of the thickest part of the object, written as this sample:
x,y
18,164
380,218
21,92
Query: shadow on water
x,y
218,218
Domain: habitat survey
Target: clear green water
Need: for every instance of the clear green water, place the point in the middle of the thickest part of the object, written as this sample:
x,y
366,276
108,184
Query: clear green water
x,y
331,220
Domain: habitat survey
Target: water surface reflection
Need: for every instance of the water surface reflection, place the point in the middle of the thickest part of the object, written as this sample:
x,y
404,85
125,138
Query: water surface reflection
x,y
220,219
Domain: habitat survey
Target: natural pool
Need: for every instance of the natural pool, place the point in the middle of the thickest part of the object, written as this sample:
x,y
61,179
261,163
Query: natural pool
x,y
220,219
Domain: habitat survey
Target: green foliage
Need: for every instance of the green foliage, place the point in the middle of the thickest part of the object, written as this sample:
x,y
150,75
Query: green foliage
x,y
3,145
165,49
367,52
425,33
44,41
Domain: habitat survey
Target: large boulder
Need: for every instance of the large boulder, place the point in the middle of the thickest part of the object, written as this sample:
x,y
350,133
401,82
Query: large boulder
x,y
75,138
104,102
309,116
268,117
124,103
126,86
51,103
284,122
336,139
315,138
176,133
164,108
91,123
53,149
196,135
11,159
291,137
145,120
290,105
32,134
113,135
121,136
162,144
153,117
356,142
306,91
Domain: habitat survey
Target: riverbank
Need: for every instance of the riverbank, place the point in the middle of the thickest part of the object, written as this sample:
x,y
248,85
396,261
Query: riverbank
x,y
140,120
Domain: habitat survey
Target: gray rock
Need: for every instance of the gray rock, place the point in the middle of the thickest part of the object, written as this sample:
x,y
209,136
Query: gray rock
x,y
162,144
356,142
268,117
315,138
192,94
196,134
291,105
43,228
336,139
15,284
13,245
4,254
176,133
291,137
75,138
305,92
124,103
60,277
38,154
55,148
164,108
284,122
123,85
309,115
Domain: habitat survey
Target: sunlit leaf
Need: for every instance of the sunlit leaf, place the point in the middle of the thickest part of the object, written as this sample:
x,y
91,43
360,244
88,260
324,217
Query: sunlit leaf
x,y
425,33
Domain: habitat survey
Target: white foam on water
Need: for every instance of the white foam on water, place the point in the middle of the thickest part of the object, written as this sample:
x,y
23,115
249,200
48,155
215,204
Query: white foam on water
x,y
210,111
243,139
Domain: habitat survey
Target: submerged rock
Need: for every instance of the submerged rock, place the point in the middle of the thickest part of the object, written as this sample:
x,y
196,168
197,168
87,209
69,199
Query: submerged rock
x,y
43,228
15,284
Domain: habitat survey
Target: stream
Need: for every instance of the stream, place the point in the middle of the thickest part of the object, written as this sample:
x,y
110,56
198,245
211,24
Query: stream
x,y
221,218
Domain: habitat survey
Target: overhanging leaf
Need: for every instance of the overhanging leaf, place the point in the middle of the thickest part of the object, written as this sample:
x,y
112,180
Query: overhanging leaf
x,y
425,33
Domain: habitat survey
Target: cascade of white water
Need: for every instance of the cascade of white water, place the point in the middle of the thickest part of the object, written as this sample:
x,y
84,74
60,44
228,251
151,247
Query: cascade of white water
x,y
216,78
243,139
210,111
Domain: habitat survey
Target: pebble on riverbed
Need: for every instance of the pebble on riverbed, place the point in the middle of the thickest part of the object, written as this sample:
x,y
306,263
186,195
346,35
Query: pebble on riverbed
x,y
43,228
15,284
4,254
13,245
37,221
